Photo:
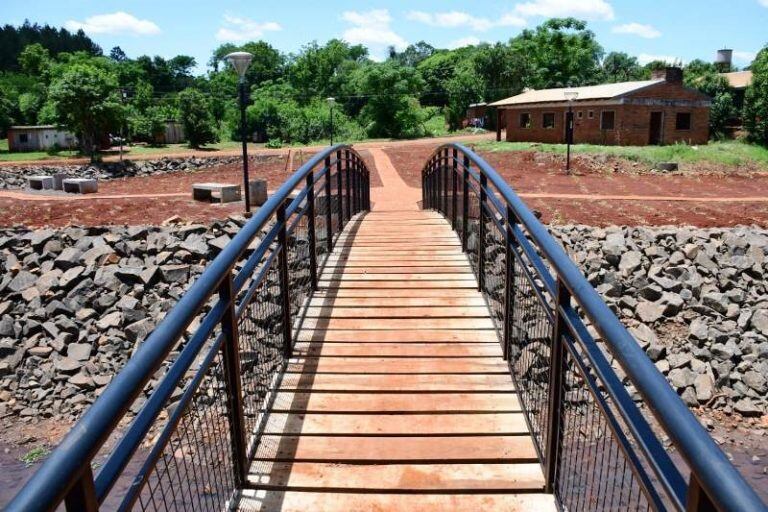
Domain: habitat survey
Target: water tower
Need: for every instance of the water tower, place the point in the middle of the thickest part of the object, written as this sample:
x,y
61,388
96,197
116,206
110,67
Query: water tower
x,y
723,60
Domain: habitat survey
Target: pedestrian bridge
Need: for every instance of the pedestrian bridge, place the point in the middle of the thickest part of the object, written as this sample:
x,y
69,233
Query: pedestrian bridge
x,y
389,349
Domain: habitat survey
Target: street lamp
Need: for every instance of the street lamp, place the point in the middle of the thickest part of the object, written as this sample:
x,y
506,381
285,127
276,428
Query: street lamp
x,y
570,96
331,103
240,61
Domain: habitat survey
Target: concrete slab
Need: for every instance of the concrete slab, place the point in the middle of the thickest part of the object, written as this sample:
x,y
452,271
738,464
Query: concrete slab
x,y
40,182
216,192
80,185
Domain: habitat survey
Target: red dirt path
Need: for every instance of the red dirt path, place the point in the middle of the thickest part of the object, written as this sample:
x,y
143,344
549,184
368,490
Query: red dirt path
x,y
537,173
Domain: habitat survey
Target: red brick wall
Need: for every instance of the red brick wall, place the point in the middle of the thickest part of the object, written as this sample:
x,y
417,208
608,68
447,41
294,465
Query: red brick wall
x,y
632,122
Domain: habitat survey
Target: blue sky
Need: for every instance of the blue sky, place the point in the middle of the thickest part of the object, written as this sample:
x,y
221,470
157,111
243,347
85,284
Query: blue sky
x,y
671,29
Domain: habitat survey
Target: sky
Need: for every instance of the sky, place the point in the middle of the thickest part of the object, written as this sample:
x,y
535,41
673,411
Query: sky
x,y
649,29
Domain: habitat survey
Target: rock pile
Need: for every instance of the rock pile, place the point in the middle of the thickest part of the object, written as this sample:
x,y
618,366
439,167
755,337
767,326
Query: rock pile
x,y
74,303
15,177
695,299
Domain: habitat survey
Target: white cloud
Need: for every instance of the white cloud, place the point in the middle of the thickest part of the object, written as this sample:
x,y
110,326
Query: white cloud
x,y
464,41
645,58
454,19
764,3
115,23
745,57
637,29
372,28
239,29
587,9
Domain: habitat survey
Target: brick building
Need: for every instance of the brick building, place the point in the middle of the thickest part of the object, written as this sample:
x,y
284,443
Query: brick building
x,y
657,111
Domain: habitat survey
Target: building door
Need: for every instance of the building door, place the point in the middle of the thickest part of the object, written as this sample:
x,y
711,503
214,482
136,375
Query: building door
x,y
656,128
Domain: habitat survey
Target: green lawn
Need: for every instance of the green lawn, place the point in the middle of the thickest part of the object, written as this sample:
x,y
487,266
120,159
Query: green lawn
x,y
726,152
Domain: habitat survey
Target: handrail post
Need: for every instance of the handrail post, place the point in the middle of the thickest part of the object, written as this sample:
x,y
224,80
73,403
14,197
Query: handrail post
x,y
231,360
82,496
328,202
465,205
348,174
339,190
509,285
557,358
454,180
356,183
697,499
444,173
481,234
311,229
282,239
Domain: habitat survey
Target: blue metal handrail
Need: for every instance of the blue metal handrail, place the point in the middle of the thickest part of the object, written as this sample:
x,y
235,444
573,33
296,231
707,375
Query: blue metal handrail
x,y
66,474
714,482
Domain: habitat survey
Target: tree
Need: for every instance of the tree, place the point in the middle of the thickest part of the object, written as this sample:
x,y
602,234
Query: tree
x,y
5,113
413,54
35,60
13,40
85,100
756,100
196,117
436,71
621,67
321,71
466,87
562,52
704,77
501,69
117,54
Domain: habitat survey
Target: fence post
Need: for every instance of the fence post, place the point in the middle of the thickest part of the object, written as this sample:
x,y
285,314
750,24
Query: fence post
x,y
285,286
340,190
328,201
347,177
465,205
311,229
481,235
82,496
509,285
455,184
697,500
231,353
556,370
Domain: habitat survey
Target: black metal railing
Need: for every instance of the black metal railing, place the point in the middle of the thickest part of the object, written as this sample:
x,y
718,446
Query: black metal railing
x,y
598,450
208,372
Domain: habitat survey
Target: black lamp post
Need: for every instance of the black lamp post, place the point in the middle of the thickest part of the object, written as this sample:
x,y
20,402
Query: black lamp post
x,y
331,103
240,61
571,97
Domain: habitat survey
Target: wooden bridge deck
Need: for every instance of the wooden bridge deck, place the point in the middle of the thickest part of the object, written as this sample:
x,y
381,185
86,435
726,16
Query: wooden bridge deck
x,y
398,397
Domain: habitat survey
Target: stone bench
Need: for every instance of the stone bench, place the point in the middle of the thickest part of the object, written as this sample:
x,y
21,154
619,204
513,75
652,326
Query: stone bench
x,y
80,185
216,192
40,182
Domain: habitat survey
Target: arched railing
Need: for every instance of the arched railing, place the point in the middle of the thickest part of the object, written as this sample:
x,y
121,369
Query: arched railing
x,y
203,380
597,449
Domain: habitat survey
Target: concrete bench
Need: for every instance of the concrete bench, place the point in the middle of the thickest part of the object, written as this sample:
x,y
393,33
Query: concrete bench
x,y
80,185
216,192
257,192
40,182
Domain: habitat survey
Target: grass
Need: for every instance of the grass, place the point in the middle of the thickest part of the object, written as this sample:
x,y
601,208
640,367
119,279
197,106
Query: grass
x,y
725,152
35,455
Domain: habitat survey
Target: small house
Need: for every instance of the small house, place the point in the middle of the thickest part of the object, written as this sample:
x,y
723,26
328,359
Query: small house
x,y
39,138
657,111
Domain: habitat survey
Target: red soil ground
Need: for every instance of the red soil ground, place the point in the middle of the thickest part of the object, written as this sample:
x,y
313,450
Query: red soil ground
x,y
537,173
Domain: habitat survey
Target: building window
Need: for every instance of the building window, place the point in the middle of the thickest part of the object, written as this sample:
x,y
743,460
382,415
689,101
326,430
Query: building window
x,y
579,114
525,120
548,120
591,114
607,120
23,138
683,121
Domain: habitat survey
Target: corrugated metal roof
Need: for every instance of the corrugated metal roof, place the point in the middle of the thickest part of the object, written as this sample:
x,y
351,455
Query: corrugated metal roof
x,y
591,92
37,127
739,79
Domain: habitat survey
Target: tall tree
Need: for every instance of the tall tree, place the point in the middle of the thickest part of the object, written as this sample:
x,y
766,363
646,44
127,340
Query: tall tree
x,y
756,100
621,67
196,117
13,40
117,54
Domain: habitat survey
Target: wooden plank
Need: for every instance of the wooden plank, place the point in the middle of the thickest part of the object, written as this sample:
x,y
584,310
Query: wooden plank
x,y
415,284
372,270
398,336
396,323
388,403
397,349
425,450
335,311
395,293
287,424
398,365
366,302
391,383
404,477
405,276
384,261
302,501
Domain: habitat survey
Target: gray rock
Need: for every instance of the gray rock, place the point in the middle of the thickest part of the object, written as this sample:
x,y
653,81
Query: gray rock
x,y
759,321
79,351
22,281
649,312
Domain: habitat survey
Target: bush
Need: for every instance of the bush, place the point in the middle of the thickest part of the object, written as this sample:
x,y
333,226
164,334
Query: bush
x,y
196,117
756,100
274,144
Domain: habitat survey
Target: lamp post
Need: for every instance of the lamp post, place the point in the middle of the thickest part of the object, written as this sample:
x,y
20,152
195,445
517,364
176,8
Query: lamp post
x,y
240,61
331,103
123,97
571,97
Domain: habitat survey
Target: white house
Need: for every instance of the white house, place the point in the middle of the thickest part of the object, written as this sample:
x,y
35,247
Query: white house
x,y
39,138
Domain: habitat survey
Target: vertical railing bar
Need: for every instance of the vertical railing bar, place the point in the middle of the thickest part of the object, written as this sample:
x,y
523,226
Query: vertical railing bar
x,y
347,174
311,230
509,284
340,190
481,234
455,180
82,496
284,281
445,181
231,360
697,499
328,202
465,206
554,415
